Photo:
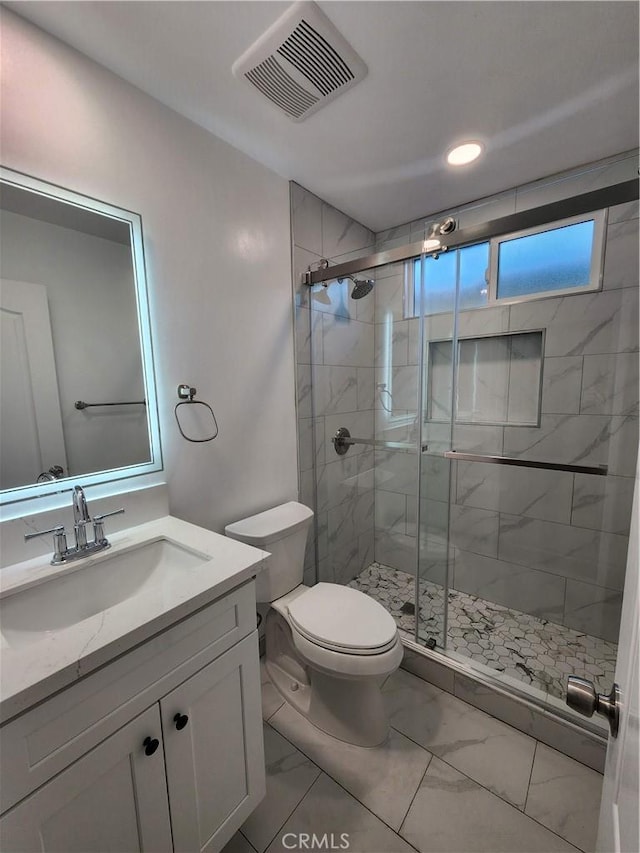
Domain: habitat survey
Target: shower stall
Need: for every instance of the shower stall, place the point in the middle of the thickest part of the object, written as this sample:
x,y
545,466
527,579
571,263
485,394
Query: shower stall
x,y
472,431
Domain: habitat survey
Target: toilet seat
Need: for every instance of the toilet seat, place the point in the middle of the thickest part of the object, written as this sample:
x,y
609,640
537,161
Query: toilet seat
x,y
342,620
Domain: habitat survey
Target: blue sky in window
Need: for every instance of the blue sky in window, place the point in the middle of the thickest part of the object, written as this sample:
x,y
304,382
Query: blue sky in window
x,y
550,260
440,279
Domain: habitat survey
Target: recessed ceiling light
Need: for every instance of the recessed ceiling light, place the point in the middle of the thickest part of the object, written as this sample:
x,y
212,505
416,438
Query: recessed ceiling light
x,y
463,154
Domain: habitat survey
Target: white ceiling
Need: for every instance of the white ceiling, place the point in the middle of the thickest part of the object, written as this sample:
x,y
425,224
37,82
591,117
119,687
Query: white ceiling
x,y
546,85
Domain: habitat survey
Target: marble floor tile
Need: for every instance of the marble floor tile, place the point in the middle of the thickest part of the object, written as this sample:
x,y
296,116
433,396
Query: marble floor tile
x,y
328,810
452,814
238,844
565,796
489,751
533,650
289,776
271,699
384,778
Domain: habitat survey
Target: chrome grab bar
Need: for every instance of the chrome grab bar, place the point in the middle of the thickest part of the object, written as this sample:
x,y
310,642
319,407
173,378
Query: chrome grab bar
x,y
343,440
599,470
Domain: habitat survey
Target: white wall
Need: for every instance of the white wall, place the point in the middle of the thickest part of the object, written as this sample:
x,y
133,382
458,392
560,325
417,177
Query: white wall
x,y
216,229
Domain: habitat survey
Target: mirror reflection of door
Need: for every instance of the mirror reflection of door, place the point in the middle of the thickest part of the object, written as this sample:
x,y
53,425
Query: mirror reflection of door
x,y
30,420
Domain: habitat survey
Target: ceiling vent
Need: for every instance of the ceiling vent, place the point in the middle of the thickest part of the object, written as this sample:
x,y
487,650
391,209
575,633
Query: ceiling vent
x,y
301,63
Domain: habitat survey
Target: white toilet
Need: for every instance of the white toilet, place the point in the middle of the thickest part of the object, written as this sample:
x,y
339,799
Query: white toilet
x,y
329,647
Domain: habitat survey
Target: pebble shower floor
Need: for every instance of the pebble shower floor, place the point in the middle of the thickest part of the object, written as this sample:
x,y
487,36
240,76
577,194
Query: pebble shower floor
x,y
533,650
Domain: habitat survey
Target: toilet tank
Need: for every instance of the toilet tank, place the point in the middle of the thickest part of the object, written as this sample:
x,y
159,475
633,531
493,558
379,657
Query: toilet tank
x,y
283,532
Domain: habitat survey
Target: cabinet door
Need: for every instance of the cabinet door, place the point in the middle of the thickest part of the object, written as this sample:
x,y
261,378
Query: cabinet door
x,y
215,757
112,799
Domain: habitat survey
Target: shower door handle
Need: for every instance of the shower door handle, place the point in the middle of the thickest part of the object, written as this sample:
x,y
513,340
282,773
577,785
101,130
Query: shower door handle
x,y
582,697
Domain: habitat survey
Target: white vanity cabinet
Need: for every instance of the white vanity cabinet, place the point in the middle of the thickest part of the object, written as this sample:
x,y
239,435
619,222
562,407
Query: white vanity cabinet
x,y
160,750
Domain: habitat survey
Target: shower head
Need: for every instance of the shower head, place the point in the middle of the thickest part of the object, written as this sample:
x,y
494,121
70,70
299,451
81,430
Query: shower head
x,y
362,286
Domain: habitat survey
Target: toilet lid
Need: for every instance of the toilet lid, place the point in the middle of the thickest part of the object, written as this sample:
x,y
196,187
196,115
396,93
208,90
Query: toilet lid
x,y
344,619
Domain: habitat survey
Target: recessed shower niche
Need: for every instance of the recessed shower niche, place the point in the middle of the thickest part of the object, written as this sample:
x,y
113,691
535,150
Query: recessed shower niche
x,y
498,379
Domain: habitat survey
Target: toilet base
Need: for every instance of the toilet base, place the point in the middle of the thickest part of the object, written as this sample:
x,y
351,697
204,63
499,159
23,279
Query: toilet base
x,y
349,709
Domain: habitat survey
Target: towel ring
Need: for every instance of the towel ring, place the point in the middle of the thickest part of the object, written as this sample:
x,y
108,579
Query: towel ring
x,y
186,393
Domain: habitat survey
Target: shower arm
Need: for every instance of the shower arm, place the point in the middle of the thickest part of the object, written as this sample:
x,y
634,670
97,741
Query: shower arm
x,y
343,440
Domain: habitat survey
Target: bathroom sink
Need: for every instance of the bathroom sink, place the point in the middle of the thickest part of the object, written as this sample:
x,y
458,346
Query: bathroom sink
x,y
108,580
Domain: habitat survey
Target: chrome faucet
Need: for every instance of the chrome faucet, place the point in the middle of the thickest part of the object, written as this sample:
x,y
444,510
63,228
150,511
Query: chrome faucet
x,y
81,517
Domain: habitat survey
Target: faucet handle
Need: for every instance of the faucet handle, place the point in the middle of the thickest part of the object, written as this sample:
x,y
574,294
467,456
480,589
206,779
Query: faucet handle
x,y
59,542
98,526
99,518
59,528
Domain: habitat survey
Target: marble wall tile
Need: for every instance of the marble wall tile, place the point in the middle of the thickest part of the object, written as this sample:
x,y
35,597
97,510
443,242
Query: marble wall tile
x,y
341,234
333,298
391,344
594,610
564,796
335,389
306,218
477,438
366,548
484,321
336,482
602,503
440,380
391,511
366,307
359,424
621,254
305,443
389,297
289,776
396,550
524,384
302,260
474,530
451,813
396,471
303,390
367,392
483,380
403,387
391,238
580,439
571,552
437,327
434,518
436,473
528,492
610,384
306,488
347,342
622,212
530,591
562,385
582,324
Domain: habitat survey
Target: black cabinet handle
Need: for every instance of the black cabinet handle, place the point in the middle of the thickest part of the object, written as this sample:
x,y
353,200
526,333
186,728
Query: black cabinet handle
x,y
150,745
180,720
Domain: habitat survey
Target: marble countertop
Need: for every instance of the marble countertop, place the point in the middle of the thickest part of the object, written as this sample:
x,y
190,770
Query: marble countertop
x,y
42,662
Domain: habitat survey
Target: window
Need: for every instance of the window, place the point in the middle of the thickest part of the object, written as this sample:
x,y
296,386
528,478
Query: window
x,y
552,260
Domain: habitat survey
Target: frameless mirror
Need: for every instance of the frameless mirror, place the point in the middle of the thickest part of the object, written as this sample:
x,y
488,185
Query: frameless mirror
x,y
77,391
